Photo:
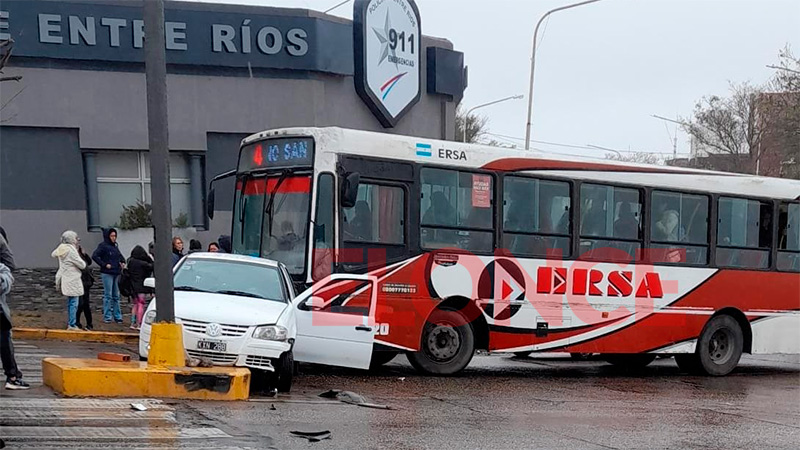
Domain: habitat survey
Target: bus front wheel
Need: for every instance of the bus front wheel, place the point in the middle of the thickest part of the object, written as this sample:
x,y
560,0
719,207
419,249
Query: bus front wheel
x,y
447,345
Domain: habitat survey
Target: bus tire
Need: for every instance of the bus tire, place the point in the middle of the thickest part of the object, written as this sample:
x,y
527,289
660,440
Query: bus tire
x,y
688,363
720,346
380,358
447,344
630,361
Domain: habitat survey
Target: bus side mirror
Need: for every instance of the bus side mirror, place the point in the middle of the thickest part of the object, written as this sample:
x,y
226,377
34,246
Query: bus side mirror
x,y
350,189
210,203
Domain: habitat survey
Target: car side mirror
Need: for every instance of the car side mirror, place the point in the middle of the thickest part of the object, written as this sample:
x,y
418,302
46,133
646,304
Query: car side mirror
x,y
210,203
350,189
314,303
150,282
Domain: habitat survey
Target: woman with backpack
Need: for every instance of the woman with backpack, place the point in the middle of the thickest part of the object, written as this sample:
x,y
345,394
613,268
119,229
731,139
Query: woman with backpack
x,y
140,267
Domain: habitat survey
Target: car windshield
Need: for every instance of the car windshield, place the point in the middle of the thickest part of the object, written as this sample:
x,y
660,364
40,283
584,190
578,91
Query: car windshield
x,y
230,277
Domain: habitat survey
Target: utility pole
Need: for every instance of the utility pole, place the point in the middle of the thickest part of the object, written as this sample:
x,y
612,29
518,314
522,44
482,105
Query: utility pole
x,y
155,62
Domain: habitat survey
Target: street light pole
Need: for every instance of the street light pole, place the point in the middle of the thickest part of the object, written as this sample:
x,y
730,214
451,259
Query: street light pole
x,y
674,139
533,64
469,111
155,63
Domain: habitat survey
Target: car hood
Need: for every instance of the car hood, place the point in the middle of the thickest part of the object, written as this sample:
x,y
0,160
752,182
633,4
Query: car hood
x,y
226,309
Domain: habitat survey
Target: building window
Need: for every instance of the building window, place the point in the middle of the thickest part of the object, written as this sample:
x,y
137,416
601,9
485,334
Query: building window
x,y
457,210
744,233
611,223
536,217
378,216
789,237
679,228
123,179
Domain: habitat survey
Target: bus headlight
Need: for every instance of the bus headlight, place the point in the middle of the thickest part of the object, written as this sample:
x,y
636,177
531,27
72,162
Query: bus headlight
x,y
150,317
271,333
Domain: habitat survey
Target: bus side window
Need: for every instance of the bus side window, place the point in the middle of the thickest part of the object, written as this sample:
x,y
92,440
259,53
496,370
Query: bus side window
x,y
744,233
789,237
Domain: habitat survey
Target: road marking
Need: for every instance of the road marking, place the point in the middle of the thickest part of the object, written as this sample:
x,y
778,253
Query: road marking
x,y
110,433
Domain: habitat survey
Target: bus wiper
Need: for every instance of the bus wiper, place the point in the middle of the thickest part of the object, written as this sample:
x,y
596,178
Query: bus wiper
x,y
268,209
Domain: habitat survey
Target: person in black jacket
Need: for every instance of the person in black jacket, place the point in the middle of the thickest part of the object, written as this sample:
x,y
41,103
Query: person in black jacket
x,y
111,262
84,307
195,246
140,267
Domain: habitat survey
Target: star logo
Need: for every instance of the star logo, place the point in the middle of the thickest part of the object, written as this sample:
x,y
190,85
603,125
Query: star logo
x,y
383,37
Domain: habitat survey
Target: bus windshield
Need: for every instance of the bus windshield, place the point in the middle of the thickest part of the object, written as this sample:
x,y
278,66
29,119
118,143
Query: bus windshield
x,y
271,218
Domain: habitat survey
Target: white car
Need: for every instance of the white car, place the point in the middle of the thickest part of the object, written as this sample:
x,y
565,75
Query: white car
x,y
242,311
235,311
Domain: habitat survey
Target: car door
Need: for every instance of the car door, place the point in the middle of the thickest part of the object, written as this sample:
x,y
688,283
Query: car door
x,y
336,321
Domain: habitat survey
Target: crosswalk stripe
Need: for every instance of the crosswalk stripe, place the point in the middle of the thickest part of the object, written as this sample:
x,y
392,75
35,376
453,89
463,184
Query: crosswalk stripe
x,y
109,433
80,403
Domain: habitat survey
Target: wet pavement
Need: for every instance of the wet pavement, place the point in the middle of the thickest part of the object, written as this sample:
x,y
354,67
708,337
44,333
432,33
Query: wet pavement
x,y
499,402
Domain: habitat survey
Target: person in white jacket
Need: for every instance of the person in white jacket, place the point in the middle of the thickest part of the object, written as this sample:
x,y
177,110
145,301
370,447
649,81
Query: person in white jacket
x,y
68,277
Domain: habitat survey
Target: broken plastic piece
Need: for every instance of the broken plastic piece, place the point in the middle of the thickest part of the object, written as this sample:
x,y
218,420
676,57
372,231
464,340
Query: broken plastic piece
x,y
312,436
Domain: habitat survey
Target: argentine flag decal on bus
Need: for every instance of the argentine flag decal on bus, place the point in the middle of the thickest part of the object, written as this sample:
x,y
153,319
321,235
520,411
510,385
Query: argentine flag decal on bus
x,y
424,150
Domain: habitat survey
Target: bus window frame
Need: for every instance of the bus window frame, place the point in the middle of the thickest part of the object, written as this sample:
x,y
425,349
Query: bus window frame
x,y
500,214
494,230
406,214
771,249
645,218
776,235
710,236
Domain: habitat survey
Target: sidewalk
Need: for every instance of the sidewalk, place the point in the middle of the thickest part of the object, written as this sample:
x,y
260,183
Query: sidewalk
x,y
58,321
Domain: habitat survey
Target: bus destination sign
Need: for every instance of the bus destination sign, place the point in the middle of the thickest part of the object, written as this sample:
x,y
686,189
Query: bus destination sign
x,y
277,153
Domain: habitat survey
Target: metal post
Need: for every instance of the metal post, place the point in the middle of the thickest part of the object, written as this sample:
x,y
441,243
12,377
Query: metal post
x,y
466,116
158,133
533,65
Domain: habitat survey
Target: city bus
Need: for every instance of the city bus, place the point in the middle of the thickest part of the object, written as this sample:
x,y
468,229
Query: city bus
x,y
437,249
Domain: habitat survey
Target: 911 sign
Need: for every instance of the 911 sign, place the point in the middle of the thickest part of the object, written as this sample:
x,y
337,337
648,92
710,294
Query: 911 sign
x,y
387,38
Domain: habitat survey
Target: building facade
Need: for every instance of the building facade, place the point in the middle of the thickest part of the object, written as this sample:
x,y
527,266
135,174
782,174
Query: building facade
x,y
73,131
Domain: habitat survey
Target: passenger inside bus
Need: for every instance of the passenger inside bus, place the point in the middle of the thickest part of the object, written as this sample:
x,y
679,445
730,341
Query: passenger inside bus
x,y
441,212
360,227
626,226
666,229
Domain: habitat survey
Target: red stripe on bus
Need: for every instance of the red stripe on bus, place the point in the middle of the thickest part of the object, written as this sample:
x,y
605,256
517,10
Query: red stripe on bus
x,y
294,185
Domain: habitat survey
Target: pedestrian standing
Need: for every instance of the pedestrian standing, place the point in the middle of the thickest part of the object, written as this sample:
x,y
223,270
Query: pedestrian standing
x,y
225,244
111,262
177,250
68,277
140,267
195,246
6,256
213,247
84,306
13,375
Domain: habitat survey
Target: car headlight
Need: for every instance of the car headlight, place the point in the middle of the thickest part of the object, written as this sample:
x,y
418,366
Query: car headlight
x,y
271,333
150,317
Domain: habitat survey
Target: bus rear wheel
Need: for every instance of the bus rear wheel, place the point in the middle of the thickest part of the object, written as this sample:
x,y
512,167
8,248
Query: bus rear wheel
x,y
720,346
447,345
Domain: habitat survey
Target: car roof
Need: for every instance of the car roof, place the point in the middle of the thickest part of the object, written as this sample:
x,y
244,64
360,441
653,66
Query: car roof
x,y
233,258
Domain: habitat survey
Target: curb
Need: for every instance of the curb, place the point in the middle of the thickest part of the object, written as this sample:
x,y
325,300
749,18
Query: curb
x,y
107,337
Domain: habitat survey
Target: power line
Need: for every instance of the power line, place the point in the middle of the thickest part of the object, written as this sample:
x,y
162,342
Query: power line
x,y
582,147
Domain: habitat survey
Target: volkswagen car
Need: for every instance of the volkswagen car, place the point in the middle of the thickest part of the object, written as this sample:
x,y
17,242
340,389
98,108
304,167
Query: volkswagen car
x,y
235,311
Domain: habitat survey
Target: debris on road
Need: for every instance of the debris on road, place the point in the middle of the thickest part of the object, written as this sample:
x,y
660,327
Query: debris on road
x,y
272,407
352,398
138,407
117,357
312,436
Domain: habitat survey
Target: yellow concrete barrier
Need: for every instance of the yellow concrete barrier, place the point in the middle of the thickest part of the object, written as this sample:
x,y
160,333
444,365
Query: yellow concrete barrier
x,y
108,337
74,377
166,345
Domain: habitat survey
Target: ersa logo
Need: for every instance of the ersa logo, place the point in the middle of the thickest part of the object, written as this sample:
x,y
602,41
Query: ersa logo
x,y
579,281
426,151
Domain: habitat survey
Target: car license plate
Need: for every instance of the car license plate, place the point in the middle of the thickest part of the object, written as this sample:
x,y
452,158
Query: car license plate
x,y
214,346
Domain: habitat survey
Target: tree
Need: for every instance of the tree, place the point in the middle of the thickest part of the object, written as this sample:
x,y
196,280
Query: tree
x,y
637,157
474,125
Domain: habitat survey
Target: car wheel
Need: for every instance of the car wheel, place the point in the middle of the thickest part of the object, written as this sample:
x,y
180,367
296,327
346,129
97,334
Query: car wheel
x,y
630,361
447,345
284,372
381,358
720,346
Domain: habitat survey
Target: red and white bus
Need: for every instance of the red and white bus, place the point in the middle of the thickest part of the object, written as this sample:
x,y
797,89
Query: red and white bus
x,y
471,247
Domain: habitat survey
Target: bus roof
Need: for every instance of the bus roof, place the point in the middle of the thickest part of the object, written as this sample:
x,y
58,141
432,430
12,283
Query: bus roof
x,y
471,156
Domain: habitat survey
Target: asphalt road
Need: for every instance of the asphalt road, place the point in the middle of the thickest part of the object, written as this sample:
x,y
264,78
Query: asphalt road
x,y
499,402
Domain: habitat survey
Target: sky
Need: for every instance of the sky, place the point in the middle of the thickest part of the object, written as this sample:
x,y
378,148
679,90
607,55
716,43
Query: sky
x,y
603,69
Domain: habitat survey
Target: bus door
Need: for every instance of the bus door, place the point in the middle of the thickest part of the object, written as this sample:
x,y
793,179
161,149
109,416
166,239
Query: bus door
x,y
374,231
336,321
